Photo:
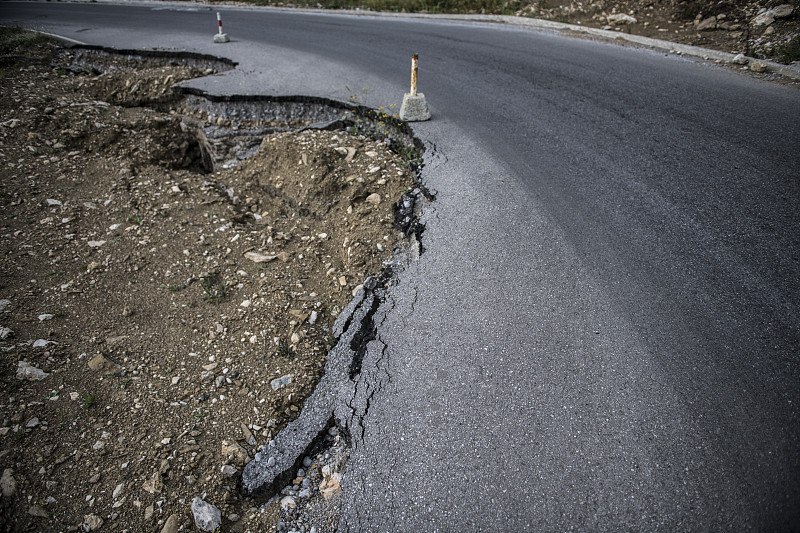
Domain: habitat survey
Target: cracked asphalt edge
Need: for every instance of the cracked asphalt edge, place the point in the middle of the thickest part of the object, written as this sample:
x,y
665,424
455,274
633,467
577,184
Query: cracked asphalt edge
x,y
275,463
345,392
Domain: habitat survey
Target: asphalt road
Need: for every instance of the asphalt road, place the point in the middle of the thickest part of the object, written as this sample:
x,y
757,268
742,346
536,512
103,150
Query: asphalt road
x,y
603,333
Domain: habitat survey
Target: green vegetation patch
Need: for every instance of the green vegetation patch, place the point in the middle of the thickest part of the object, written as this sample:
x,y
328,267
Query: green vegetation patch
x,y
19,39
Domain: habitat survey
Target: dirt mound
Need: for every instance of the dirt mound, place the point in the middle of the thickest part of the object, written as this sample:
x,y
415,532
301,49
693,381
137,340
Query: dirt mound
x,y
737,26
159,321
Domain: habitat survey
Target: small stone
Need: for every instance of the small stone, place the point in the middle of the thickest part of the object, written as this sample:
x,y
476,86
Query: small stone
x,y
758,66
206,516
172,525
707,24
281,381
782,11
148,512
295,338
52,202
330,485
95,244
45,316
92,522
118,490
621,18
154,484
4,305
259,258
100,363
6,333
235,453
41,343
38,511
373,199
740,59
312,319
32,423
248,435
342,281
228,470
8,485
764,19
287,502
27,371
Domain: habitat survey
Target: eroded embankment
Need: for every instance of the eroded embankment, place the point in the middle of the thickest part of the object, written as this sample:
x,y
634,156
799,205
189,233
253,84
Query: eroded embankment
x,y
188,257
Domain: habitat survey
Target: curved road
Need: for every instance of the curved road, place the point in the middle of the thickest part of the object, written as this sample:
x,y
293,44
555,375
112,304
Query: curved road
x,y
603,333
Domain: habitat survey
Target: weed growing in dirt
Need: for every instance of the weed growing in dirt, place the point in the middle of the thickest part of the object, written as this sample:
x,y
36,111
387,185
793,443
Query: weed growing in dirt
x,y
88,401
789,52
18,38
214,287
284,350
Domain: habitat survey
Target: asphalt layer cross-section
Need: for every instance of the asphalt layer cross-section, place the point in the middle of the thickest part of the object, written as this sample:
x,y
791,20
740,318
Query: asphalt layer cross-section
x,y
603,331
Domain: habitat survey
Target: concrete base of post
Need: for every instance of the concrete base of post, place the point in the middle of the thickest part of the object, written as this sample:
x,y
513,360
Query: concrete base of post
x,y
221,38
414,108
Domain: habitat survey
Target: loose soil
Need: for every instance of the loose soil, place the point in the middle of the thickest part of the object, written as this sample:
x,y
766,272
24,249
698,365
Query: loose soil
x,y
725,25
160,321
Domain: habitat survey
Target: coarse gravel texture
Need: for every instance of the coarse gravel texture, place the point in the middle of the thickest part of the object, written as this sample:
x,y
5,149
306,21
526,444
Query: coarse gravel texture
x,y
161,321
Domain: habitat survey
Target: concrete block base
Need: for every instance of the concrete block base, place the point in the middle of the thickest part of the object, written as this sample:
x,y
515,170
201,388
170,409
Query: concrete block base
x,y
414,108
221,38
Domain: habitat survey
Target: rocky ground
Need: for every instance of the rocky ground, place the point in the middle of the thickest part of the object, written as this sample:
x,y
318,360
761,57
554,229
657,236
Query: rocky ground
x,y
160,319
766,29
763,29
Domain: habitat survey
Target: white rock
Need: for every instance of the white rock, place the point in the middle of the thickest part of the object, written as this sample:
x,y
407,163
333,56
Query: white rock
x,y
27,371
32,423
6,333
4,304
95,244
312,319
228,470
206,516
782,11
41,343
8,485
92,522
118,490
280,382
259,258
764,19
51,201
621,18
45,316
374,199
287,502
740,59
